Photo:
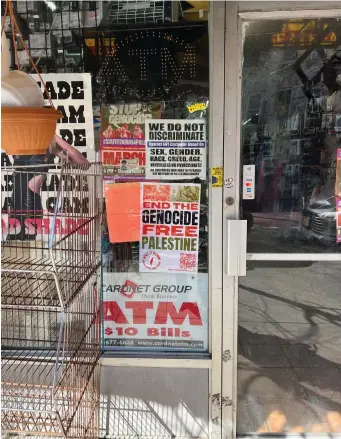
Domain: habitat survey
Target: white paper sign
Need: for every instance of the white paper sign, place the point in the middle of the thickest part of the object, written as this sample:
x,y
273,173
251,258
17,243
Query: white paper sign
x,y
71,93
175,149
158,311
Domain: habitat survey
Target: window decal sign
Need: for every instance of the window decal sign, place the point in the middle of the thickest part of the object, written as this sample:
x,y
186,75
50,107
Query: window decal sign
x,y
249,182
159,312
169,234
197,106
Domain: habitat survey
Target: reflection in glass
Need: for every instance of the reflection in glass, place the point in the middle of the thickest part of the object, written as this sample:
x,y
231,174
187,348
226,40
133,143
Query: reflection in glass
x,y
291,132
289,345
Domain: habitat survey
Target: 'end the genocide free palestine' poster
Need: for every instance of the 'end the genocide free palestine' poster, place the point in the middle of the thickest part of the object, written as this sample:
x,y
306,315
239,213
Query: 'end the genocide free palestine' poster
x,y
169,233
175,149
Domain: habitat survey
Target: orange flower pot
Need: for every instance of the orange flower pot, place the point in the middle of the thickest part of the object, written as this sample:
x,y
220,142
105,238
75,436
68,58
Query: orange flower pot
x,y
28,130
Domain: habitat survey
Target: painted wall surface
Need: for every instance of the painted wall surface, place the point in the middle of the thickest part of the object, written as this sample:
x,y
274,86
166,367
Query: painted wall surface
x,y
154,403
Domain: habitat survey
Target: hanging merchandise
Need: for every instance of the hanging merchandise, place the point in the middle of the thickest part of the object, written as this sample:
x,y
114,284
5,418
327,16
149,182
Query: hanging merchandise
x,y
27,127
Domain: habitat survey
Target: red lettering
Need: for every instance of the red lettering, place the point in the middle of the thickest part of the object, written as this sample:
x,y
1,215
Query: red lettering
x,y
191,231
83,227
162,230
146,228
159,205
152,331
109,158
70,226
13,225
42,226
167,309
56,230
139,311
142,158
30,224
177,231
46,226
113,313
185,206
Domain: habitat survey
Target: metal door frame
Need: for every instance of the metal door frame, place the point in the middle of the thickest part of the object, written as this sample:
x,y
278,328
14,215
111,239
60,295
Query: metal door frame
x,y
235,14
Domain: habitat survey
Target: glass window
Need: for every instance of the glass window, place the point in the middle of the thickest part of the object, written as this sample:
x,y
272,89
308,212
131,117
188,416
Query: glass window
x,y
155,288
289,362
291,135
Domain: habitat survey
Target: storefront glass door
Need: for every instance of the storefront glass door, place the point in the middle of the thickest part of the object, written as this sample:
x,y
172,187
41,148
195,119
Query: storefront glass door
x,y
289,324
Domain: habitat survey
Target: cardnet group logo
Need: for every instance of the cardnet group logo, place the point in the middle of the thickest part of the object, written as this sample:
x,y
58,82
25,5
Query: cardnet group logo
x,y
129,288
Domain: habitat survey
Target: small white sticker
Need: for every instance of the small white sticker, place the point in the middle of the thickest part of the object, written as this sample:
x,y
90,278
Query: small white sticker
x,y
229,183
249,182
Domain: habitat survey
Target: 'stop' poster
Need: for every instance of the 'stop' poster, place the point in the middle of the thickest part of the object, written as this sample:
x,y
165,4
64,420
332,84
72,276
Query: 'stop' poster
x,y
176,149
123,150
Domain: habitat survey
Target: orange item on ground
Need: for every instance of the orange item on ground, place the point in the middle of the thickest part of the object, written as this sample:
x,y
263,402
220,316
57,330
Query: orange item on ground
x,y
123,211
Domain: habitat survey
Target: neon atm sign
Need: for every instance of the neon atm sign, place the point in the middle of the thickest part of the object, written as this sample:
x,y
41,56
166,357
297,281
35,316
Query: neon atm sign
x,y
297,33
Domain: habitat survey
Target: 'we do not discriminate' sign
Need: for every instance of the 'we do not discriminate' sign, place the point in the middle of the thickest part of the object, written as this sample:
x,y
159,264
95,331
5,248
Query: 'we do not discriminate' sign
x,y
176,149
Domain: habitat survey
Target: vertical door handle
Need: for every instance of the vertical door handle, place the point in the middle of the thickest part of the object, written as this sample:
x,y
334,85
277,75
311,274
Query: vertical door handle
x,y
236,247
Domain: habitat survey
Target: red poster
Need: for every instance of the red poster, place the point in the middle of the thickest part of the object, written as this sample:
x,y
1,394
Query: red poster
x,y
123,151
